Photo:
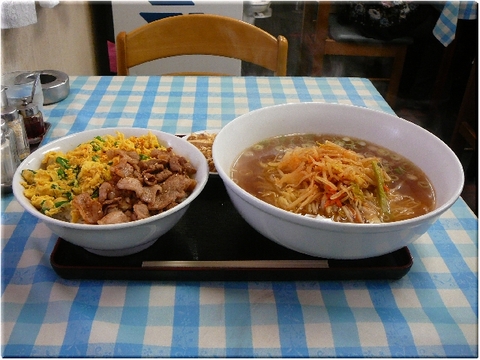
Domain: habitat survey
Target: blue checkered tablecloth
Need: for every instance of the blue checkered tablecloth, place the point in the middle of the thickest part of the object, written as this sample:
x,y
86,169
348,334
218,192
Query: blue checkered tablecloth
x,y
431,311
446,25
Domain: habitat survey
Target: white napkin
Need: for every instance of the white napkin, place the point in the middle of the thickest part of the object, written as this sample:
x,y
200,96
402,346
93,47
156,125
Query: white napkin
x,y
18,13
48,3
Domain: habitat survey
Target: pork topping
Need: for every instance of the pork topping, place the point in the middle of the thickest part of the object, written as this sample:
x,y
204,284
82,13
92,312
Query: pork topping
x,y
139,188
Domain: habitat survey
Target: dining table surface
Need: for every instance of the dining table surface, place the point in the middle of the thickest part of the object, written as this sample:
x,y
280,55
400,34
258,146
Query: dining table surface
x,y
430,311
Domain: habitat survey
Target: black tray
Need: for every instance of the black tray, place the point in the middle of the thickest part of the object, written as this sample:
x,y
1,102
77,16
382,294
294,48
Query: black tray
x,y
213,242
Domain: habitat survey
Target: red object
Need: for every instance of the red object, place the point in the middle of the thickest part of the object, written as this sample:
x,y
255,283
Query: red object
x,y
112,56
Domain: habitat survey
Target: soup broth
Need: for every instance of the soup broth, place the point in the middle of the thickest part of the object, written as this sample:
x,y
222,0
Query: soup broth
x,y
341,178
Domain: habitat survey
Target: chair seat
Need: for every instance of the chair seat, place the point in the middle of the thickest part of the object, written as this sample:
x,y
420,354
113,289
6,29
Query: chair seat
x,y
347,33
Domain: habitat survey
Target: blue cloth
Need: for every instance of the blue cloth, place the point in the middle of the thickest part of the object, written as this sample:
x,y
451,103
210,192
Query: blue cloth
x,y
430,312
446,25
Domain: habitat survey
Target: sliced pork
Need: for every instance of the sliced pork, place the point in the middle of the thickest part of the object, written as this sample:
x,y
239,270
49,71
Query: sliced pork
x,y
139,188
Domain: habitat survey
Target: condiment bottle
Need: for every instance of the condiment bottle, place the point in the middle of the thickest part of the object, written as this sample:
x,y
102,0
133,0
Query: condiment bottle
x,y
15,122
4,96
33,119
10,160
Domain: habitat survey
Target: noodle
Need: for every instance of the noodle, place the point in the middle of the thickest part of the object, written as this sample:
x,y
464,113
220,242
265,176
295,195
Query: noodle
x,y
325,178
305,176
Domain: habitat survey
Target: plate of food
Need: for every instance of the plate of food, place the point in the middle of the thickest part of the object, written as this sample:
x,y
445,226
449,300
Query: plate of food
x,y
203,140
311,198
112,191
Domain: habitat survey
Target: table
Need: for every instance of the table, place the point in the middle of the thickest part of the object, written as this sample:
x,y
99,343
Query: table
x,y
431,311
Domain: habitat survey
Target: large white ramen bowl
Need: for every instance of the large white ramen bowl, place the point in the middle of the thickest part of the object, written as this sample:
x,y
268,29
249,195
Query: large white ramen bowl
x,y
321,237
114,239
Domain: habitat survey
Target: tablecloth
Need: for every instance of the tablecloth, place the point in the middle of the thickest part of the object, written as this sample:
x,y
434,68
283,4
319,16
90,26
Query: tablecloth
x,y
446,25
431,311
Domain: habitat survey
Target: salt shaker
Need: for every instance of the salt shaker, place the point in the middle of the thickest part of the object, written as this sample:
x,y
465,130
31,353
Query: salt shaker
x,y
33,119
15,122
10,160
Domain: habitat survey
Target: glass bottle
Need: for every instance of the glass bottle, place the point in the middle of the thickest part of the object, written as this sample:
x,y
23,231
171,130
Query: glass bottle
x,y
15,121
10,160
33,119
4,96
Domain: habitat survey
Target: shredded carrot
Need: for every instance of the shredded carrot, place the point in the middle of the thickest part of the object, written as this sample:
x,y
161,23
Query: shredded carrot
x,y
322,176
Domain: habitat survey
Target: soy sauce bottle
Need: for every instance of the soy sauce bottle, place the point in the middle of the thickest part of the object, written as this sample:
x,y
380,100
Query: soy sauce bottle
x,y
33,120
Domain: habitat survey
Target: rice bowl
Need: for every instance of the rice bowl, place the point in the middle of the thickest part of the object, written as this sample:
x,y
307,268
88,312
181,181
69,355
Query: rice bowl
x,y
114,239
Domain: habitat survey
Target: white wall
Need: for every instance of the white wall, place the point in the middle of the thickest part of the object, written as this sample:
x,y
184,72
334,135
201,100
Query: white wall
x,y
62,39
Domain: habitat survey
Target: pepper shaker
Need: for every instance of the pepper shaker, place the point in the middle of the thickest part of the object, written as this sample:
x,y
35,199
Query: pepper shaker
x,y
10,160
33,119
15,122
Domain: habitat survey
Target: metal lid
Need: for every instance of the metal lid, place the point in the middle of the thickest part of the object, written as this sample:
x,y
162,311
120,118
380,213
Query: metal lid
x,y
28,109
9,113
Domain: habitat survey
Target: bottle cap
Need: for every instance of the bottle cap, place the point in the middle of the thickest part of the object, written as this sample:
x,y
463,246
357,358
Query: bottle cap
x,y
9,113
28,109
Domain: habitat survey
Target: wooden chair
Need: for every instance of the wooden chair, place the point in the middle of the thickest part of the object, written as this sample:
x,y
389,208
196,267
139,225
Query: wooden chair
x,y
323,35
201,34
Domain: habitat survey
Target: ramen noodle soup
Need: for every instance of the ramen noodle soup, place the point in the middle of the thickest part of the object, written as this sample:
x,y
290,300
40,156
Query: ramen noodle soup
x,y
335,177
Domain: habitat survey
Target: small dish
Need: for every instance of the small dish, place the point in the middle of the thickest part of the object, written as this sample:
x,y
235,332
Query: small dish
x,y
203,140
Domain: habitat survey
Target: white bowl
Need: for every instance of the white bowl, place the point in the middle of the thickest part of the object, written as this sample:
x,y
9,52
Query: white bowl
x,y
326,238
114,239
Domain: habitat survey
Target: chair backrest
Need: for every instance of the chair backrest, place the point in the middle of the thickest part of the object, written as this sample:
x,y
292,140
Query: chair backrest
x,y
321,36
323,15
201,34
